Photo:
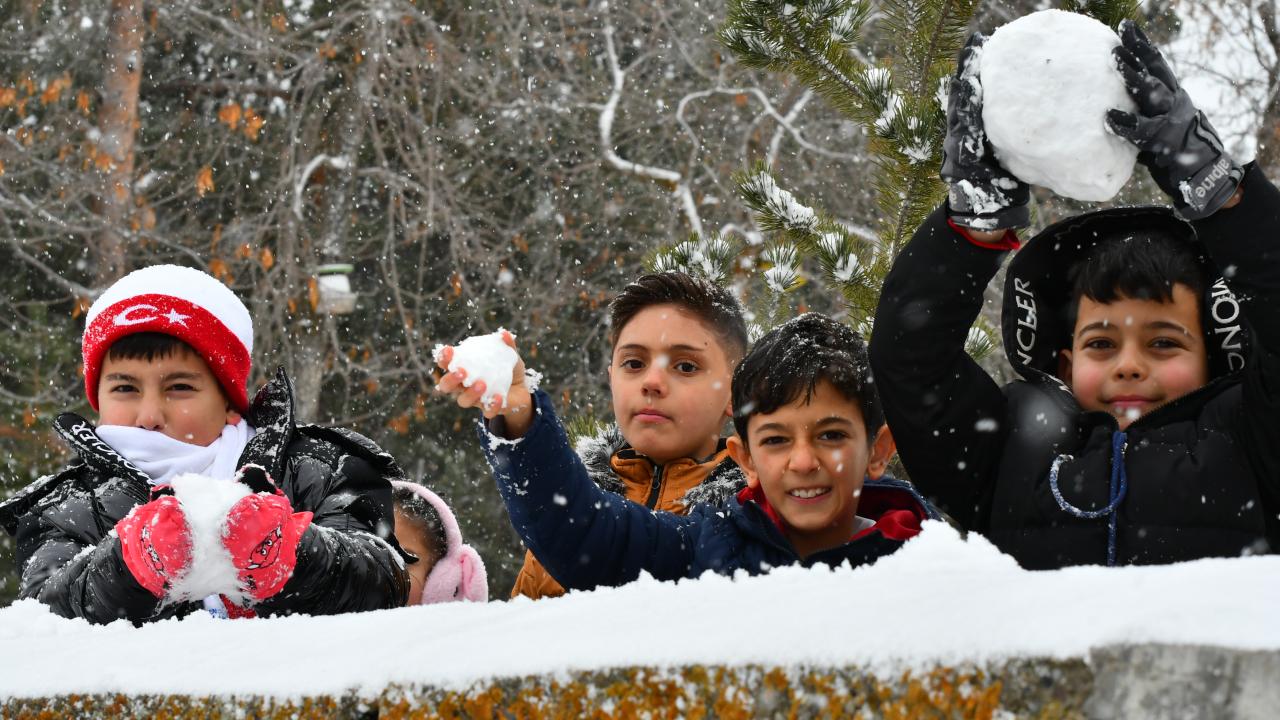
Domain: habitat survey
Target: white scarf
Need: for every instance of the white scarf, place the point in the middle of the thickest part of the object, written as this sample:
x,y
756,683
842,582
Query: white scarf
x,y
163,458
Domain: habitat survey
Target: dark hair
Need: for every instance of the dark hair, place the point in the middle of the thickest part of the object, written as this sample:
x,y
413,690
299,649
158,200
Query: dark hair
x,y
422,516
147,346
710,303
789,362
1137,266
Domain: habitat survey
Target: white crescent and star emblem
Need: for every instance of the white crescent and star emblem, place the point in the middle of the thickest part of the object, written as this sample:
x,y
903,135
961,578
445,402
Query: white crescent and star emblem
x,y
129,317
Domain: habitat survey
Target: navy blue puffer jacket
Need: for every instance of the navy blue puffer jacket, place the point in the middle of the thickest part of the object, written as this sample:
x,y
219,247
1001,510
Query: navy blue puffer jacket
x,y
587,537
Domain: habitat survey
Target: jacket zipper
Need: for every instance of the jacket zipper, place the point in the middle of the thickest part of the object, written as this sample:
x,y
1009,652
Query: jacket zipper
x,y
655,488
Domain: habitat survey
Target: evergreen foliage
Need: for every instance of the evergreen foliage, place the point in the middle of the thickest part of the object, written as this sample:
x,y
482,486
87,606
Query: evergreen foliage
x,y
899,100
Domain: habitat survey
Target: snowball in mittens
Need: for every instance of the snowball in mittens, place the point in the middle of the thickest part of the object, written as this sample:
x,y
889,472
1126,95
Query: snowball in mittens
x,y
1048,80
205,502
487,358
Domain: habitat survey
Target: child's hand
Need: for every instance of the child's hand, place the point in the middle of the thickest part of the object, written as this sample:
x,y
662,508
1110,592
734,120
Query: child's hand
x,y
155,540
515,408
261,534
1174,139
981,194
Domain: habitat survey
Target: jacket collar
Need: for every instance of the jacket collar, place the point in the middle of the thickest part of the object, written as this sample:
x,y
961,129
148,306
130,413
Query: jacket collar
x,y
272,414
597,452
82,436
895,506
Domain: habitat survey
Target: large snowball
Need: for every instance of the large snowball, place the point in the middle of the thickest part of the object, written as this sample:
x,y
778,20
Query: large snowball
x,y
1048,80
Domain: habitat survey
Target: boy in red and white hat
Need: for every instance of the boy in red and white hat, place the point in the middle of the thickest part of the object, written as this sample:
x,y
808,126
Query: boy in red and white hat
x,y
186,494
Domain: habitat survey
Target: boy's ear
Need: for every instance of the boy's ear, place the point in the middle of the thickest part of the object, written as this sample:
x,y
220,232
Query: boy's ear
x,y
1064,366
741,455
882,450
233,416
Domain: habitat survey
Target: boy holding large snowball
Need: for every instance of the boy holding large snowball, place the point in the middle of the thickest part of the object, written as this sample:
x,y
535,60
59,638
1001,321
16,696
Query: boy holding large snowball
x,y
676,340
810,439
187,494
1144,427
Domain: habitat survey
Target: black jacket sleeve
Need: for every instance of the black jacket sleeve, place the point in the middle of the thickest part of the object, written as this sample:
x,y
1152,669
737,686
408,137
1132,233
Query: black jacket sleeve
x,y
346,562
1244,242
71,560
585,536
945,412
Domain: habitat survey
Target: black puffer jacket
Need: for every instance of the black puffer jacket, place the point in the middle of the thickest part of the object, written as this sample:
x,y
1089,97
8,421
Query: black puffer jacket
x,y
348,559
1198,477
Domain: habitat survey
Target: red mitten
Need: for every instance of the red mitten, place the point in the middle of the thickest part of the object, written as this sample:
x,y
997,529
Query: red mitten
x,y
155,540
262,534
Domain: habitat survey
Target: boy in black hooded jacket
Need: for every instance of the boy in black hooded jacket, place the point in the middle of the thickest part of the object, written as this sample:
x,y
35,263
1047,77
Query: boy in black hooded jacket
x,y
305,520
1143,429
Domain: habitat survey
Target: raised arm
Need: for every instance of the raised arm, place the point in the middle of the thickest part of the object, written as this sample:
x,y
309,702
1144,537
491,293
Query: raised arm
x,y
1244,242
584,536
1236,213
944,410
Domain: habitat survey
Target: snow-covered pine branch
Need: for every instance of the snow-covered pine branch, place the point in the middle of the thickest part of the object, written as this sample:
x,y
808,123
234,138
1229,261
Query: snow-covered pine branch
x,y
777,209
712,257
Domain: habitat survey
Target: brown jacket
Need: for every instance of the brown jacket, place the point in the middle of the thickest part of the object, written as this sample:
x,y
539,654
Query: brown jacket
x,y
614,466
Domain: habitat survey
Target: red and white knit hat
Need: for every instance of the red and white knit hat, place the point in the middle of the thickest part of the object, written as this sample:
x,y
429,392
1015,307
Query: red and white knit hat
x,y
178,301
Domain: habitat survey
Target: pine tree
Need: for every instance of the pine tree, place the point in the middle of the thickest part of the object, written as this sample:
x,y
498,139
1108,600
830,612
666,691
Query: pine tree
x,y
900,102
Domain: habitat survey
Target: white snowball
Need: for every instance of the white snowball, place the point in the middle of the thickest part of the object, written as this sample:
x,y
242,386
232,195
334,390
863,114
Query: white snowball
x,y
487,358
205,503
1048,80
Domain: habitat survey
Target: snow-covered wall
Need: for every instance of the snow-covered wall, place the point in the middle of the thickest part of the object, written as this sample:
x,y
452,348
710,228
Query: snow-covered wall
x,y
945,621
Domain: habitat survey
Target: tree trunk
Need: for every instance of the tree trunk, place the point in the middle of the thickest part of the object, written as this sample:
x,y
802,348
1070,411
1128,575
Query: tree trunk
x,y
1268,136
118,123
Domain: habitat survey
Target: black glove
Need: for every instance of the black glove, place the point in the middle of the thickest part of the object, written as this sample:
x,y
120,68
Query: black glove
x,y
1175,140
980,193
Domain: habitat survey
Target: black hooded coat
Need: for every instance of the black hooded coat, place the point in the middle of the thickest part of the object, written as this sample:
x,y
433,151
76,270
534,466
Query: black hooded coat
x,y
1046,481
347,561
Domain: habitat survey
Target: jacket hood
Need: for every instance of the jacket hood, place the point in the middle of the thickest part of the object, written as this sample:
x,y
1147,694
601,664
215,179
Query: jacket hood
x,y
1037,290
459,574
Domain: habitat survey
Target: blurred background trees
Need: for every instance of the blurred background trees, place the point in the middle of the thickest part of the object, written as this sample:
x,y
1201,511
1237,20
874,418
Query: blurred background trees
x,y
502,162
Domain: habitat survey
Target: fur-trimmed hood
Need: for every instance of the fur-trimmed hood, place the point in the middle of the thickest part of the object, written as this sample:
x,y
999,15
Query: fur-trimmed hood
x,y
597,452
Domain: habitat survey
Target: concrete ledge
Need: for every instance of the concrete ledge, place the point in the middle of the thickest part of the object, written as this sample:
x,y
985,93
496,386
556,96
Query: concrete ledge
x,y
1147,681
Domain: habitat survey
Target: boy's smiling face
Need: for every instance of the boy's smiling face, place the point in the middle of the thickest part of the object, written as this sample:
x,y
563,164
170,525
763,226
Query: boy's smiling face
x,y
1130,356
175,394
810,458
669,378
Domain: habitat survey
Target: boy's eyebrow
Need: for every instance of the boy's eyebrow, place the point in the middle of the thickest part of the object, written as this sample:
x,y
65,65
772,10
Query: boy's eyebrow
x,y
1167,325
121,376
774,426
181,375
669,348
1153,325
782,427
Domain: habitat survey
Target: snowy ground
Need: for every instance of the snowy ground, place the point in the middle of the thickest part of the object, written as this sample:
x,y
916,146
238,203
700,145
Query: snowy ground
x,y
940,599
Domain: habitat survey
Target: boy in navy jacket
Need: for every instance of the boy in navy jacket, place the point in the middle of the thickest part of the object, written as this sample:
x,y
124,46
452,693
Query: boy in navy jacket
x,y
810,439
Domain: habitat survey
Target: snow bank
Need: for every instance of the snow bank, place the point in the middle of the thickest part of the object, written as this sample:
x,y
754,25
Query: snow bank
x,y
1048,79
938,600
